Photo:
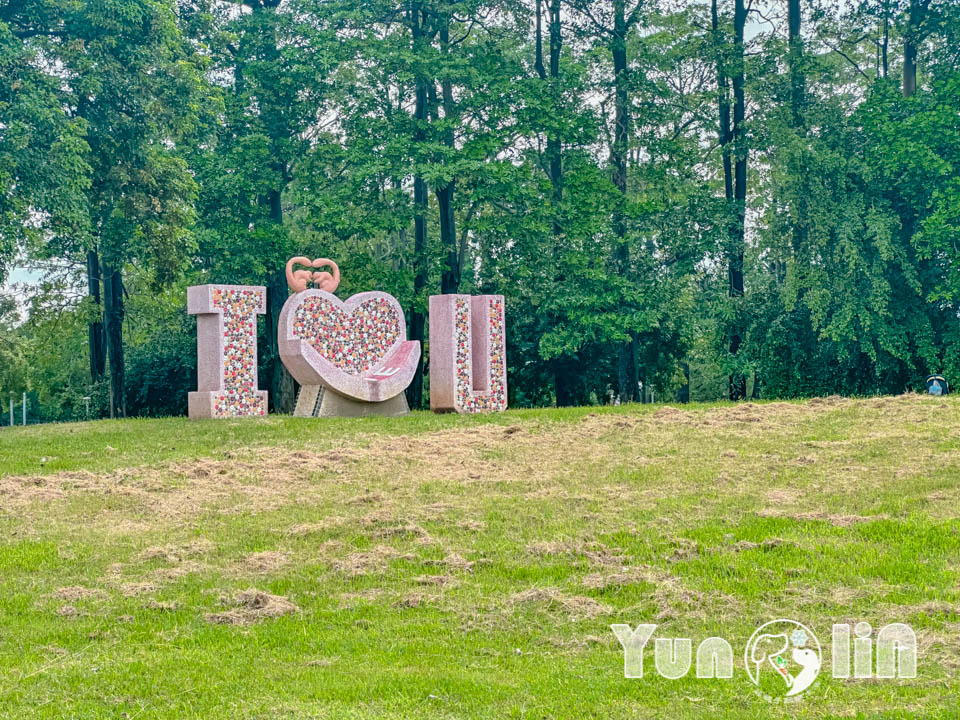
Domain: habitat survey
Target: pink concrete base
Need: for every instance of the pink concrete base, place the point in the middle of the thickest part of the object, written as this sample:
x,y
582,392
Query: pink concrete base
x,y
468,353
203,405
227,351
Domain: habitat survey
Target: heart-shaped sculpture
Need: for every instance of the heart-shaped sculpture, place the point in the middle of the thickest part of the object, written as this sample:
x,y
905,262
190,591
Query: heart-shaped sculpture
x,y
356,347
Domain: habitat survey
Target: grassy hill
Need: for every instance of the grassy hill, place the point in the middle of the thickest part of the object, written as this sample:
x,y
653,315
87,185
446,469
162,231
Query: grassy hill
x,y
470,567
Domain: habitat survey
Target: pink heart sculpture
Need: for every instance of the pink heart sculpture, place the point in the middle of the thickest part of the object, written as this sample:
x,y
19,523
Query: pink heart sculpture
x,y
357,347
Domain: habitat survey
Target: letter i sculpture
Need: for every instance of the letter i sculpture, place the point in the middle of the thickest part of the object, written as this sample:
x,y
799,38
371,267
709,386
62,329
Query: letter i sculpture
x,y
227,350
468,353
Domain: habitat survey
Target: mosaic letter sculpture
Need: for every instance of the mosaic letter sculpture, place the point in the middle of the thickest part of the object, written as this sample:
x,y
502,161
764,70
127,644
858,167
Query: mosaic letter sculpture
x,y
226,351
351,357
468,353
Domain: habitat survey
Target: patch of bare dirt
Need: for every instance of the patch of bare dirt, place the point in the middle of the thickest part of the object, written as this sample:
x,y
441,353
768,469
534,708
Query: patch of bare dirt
x,y
161,605
783,496
132,589
472,525
437,580
415,600
768,544
187,567
575,607
177,553
683,549
388,530
76,592
67,611
669,413
252,606
828,401
835,519
367,499
265,562
304,529
270,478
453,562
602,581
938,607
369,562
596,553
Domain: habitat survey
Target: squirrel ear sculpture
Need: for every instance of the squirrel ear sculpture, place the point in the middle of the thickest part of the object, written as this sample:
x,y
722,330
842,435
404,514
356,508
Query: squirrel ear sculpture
x,y
324,280
297,281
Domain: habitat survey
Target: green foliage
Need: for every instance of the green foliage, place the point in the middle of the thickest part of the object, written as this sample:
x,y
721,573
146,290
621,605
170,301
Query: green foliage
x,y
44,170
195,142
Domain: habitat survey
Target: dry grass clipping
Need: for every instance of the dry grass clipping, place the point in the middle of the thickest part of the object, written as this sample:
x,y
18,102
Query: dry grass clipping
x,y
252,606
575,607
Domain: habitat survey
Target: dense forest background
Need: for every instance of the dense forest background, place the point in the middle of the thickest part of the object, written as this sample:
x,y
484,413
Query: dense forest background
x,y
704,198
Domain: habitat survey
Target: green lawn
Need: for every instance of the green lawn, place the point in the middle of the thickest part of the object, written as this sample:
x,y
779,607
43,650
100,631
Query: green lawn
x,y
471,567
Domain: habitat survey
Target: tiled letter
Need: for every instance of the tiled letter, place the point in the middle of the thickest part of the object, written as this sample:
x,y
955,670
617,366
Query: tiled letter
x,y
468,353
227,350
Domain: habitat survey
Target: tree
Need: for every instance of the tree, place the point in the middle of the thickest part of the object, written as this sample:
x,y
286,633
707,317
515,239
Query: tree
x,y
272,61
130,84
44,173
734,151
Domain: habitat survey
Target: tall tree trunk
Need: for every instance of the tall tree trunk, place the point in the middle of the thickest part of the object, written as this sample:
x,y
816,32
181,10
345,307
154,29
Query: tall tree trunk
x,y
798,80
886,37
909,68
95,336
562,368
731,188
738,382
626,352
562,381
420,208
113,327
450,276
683,394
911,39
282,388
538,60
725,137
417,318
723,105
798,92
554,149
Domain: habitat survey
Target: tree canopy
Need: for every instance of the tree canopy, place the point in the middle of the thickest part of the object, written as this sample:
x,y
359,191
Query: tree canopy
x,y
678,200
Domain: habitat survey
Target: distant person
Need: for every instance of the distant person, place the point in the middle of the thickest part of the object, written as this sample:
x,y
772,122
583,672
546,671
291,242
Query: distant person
x,y
937,385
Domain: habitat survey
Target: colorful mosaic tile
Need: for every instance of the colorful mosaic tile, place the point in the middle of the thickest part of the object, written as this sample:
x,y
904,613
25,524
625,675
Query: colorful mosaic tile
x,y
354,342
467,399
239,372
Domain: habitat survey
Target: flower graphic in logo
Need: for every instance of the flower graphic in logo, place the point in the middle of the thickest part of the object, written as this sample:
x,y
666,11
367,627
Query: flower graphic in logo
x,y
783,659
